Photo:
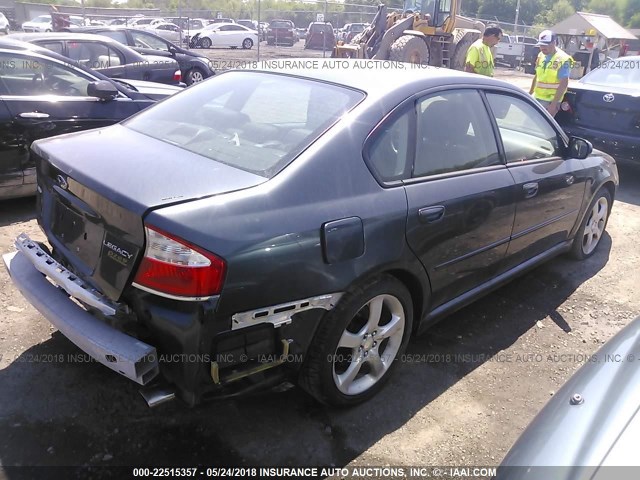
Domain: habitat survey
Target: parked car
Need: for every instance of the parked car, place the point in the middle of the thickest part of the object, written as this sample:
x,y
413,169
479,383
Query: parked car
x,y
4,24
145,22
603,107
223,20
630,48
302,33
194,66
43,94
281,31
314,221
168,31
225,35
350,30
320,36
41,23
107,56
251,24
509,51
597,408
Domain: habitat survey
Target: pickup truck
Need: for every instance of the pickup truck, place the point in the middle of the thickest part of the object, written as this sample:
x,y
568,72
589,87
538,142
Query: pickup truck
x,y
509,51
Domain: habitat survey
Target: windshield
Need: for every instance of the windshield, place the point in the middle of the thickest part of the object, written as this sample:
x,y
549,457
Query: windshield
x,y
622,72
257,122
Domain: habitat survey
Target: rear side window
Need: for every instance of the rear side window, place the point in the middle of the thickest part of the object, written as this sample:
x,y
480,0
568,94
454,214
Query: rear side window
x,y
454,134
94,54
257,122
117,35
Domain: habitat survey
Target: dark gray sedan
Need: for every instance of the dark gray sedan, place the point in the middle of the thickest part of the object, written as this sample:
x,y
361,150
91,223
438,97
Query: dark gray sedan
x,y
107,56
301,224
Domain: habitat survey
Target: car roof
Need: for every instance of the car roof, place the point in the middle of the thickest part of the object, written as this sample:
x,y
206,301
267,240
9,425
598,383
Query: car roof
x,y
355,73
73,35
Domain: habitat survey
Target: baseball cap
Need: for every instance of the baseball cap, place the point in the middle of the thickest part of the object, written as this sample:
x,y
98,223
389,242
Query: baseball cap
x,y
546,37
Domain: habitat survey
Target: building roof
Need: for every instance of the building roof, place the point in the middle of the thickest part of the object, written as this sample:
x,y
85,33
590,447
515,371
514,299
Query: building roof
x,y
581,23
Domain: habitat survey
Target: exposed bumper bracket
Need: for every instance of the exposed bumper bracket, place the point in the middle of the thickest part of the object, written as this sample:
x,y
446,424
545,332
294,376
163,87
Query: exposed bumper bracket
x,y
120,352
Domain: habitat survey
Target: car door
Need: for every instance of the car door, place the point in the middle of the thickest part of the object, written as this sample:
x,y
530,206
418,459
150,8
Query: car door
x,y
550,189
43,97
460,195
227,36
10,158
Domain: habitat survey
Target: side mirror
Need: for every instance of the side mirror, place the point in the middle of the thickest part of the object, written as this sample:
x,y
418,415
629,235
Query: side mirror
x,y
172,50
102,89
579,147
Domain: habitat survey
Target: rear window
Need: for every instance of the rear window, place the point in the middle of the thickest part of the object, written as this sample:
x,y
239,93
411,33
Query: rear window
x,y
257,122
622,72
281,25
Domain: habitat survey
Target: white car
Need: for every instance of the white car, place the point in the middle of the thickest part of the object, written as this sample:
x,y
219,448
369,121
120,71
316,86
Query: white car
x,y
41,23
168,31
4,24
226,35
146,22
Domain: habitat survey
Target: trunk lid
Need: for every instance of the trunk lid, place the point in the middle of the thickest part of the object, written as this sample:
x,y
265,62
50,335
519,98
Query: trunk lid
x,y
601,108
97,186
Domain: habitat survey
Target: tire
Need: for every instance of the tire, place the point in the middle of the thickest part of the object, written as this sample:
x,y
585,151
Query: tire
x,y
460,53
593,226
410,49
247,43
344,364
195,75
205,42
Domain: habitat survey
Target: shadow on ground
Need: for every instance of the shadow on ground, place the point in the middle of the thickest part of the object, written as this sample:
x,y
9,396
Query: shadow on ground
x,y
54,411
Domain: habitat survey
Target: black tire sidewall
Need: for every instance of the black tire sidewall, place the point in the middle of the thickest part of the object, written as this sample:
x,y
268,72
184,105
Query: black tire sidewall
x,y
333,325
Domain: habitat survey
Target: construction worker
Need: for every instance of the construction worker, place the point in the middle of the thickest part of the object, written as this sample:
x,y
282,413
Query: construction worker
x,y
479,56
553,67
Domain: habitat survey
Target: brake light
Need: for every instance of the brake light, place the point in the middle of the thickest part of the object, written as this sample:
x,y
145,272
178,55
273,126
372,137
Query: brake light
x,y
174,267
177,76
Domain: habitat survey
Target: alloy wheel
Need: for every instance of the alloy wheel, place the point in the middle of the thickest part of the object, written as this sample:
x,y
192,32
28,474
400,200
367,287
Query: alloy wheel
x,y
369,344
595,225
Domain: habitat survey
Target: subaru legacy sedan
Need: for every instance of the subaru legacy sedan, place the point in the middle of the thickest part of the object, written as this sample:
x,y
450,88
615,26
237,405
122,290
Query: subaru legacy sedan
x,y
300,224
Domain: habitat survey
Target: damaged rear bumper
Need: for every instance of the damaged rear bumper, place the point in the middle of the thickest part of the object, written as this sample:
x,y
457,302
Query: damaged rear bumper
x,y
122,353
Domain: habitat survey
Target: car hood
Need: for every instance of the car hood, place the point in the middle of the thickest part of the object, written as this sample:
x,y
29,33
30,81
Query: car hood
x,y
139,172
152,90
592,421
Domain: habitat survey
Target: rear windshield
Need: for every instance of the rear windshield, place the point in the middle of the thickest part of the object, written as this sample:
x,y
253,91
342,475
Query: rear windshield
x,y
257,122
622,72
280,25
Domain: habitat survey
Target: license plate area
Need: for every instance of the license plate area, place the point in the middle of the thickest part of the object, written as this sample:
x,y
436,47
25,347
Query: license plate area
x,y
77,233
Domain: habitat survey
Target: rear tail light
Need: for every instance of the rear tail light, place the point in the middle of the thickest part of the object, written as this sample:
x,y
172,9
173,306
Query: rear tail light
x,y
177,76
175,268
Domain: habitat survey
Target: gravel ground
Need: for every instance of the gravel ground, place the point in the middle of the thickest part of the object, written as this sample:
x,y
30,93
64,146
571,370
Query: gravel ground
x,y
465,392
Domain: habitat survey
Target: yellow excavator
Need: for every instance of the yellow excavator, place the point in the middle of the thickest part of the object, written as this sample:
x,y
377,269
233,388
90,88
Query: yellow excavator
x,y
428,32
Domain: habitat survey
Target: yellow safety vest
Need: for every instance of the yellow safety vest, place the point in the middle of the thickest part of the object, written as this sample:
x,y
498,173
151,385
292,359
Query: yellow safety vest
x,y
547,81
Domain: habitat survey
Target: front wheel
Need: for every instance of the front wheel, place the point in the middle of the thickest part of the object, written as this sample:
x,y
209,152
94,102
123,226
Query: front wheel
x,y
357,343
205,42
247,43
593,226
194,75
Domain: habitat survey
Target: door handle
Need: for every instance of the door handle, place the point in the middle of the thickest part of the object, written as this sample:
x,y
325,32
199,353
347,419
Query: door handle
x,y
431,214
530,189
33,116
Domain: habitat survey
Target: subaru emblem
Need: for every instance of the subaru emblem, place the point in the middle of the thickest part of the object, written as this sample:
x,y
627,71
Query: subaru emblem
x,y
62,182
608,97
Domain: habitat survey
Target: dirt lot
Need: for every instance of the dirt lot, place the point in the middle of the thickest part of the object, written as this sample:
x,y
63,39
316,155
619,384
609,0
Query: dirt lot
x,y
472,385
